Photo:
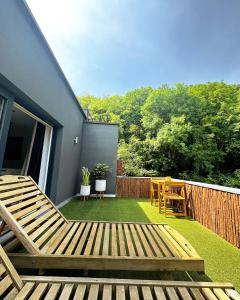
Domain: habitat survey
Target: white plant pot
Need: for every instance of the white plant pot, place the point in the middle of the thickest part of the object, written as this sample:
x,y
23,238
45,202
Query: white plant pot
x,y
85,190
100,185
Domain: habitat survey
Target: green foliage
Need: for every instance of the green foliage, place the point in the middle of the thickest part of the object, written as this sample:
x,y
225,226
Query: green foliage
x,y
85,176
100,171
190,132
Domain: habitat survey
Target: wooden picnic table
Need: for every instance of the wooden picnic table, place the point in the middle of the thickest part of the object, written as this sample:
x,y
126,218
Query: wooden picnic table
x,y
168,191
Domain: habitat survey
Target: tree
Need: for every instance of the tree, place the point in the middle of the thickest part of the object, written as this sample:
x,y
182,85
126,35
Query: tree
x,y
190,132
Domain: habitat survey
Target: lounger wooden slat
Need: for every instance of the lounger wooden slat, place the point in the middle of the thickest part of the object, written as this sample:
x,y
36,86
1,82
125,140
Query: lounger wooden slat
x,y
83,239
52,217
77,288
133,292
5,283
34,215
184,293
80,292
107,292
172,294
21,198
153,243
130,246
207,292
196,293
121,240
220,294
93,292
30,209
39,291
75,239
25,291
52,231
137,241
58,238
57,242
162,246
7,187
52,234
172,242
66,291
120,292
53,291
5,195
106,240
159,292
96,250
11,294
24,203
11,179
89,245
66,240
144,241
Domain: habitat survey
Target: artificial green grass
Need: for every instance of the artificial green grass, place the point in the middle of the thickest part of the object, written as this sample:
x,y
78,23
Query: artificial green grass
x,y
222,260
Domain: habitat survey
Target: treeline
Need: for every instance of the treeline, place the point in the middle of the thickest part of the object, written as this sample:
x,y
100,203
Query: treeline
x,y
189,132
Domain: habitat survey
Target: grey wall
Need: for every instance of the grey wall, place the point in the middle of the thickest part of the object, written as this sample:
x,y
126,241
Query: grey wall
x,y
100,144
32,78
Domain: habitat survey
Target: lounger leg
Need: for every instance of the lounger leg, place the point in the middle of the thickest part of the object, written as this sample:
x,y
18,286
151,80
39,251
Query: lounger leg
x,y
165,275
41,272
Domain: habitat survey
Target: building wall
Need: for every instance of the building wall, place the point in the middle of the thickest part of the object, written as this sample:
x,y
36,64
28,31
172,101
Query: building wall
x,y
30,75
100,144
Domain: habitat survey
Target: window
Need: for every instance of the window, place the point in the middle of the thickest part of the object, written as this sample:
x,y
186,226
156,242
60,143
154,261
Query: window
x,y
2,100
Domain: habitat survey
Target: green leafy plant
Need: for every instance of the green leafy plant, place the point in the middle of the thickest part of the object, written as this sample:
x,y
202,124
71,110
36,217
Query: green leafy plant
x,y
85,176
101,170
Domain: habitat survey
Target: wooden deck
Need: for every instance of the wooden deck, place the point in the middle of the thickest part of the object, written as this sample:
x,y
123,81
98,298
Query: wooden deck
x,y
54,242
15,287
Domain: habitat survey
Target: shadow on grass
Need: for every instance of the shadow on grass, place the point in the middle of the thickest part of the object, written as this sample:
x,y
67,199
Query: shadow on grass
x,y
107,209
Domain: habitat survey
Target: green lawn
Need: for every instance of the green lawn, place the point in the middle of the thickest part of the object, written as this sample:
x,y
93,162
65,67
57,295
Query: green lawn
x,y
222,260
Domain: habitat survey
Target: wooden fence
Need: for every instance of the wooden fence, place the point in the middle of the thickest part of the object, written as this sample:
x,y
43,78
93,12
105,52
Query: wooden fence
x,y
216,207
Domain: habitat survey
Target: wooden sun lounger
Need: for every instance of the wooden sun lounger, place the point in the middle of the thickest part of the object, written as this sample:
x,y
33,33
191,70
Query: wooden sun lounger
x,y
15,287
54,242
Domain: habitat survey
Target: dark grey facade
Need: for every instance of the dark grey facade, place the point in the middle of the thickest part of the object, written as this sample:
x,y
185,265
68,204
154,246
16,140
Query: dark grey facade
x,y
100,145
31,77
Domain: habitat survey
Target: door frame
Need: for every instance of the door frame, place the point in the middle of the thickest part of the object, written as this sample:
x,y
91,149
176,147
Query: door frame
x,y
46,146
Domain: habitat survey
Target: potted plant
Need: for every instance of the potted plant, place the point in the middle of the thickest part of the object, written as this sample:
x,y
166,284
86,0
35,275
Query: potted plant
x,y
100,173
85,186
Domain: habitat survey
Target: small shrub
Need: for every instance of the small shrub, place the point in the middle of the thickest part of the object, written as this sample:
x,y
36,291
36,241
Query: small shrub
x,y
101,170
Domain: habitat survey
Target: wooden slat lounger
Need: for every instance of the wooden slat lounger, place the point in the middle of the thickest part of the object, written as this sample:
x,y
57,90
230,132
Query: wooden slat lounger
x,y
54,242
15,287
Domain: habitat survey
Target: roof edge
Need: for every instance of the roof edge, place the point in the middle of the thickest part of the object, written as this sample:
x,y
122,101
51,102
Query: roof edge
x,y
101,123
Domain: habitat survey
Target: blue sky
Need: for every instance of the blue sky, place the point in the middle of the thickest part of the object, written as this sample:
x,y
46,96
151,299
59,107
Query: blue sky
x,y
107,47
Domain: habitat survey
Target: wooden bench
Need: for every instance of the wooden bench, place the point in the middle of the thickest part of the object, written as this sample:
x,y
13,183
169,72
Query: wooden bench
x,y
52,241
15,287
